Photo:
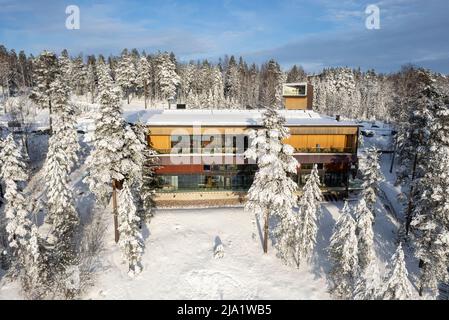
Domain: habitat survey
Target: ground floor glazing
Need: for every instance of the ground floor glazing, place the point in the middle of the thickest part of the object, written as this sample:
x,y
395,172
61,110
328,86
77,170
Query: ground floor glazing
x,y
240,177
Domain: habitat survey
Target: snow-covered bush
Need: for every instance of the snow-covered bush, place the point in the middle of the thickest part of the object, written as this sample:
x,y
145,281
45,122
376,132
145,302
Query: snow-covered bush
x,y
219,251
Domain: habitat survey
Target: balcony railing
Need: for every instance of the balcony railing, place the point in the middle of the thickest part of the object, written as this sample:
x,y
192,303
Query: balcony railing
x,y
199,151
233,151
324,150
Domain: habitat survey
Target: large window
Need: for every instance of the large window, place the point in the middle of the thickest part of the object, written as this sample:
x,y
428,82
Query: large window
x,y
208,181
239,178
199,144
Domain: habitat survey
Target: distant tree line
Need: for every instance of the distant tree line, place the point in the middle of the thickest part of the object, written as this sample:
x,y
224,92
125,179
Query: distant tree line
x,y
230,83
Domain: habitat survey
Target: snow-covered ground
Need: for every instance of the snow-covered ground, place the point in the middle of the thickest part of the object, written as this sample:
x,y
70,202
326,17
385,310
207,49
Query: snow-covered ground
x,y
179,263
179,259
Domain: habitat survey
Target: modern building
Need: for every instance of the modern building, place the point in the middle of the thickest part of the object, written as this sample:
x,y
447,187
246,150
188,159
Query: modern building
x,y
201,151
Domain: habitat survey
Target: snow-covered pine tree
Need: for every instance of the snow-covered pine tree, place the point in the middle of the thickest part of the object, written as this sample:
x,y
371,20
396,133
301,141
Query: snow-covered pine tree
x,y
144,77
271,89
79,74
232,85
92,79
118,154
296,74
2,144
309,210
343,252
272,193
126,74
167,77
62,214
104,163
14,176
65,120
368,284
131,240
144,180
314,181
205,85
64,148
430,210
61,208
413,117
29,263
365,234
35,277
372,176
396,284
217,87
187,83
45,69
65,65
133,164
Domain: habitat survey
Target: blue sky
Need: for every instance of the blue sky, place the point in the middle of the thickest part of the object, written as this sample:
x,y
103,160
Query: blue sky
x,y
313,33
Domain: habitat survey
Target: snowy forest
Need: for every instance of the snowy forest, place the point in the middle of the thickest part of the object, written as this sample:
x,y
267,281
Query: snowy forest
x,y
61,186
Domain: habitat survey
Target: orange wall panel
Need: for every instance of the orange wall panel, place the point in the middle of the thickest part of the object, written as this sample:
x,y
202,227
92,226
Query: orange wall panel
x,y
180,169
296,103
325,141
160,142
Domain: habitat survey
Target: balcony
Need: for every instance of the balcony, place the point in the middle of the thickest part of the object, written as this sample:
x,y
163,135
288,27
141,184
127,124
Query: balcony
x,y
325,150
233,151
199,151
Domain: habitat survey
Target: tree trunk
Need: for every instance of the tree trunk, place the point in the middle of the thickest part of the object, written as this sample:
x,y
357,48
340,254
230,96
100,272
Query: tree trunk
x,y
265,237
115,209
410,198
394,153
49,117
347,186
3,96
127,95
145,94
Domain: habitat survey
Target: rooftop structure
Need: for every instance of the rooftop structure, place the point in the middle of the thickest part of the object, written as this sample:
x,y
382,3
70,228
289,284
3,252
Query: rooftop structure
x,y
297,96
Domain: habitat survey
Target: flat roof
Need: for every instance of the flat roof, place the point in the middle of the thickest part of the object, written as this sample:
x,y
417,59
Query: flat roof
x,y
189,117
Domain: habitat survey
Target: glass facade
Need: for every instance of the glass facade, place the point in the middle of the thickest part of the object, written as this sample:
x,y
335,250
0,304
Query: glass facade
x,y
328,178
238,178
213,178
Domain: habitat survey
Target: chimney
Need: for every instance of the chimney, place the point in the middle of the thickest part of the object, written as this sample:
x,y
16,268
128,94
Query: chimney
x,y
337,117
309,96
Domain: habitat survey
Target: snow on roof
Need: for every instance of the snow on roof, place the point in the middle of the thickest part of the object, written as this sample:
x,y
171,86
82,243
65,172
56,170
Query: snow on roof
x,y
189,117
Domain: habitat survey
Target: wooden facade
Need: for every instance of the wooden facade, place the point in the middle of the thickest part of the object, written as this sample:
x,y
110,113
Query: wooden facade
x,y
340,139
294,102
